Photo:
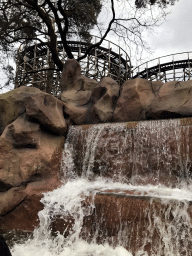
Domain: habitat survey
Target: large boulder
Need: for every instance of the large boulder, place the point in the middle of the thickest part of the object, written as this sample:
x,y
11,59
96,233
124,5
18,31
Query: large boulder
x,y
105,96
174,99
22,133
77,115
71,70
76,105
85,83
31,145
25,172
72,78
39,107
76,93
90,102
135,97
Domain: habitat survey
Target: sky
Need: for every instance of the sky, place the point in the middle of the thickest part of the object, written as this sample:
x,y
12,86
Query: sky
x,y
175,34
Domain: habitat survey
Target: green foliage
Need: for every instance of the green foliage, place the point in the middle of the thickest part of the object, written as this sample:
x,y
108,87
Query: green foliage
x,y
144,3
45,21
20,20
82,16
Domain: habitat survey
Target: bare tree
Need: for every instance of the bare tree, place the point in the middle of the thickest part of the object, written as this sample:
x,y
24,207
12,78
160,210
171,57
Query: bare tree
x,y
49,21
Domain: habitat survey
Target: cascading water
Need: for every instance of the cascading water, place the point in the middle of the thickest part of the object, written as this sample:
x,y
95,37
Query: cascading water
x,y
126,191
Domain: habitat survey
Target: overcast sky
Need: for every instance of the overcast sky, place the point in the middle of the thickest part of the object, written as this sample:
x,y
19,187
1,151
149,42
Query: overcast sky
x,y
175,34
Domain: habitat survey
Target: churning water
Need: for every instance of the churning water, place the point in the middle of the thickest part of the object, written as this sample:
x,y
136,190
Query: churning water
x,y
150,160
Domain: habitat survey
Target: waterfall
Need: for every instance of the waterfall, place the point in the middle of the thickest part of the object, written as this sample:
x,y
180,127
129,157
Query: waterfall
x,y
149,152
126,191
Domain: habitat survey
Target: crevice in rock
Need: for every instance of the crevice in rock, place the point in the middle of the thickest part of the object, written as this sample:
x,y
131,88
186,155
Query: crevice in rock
x,y
178,83
4,186
185,102
152,88
14,207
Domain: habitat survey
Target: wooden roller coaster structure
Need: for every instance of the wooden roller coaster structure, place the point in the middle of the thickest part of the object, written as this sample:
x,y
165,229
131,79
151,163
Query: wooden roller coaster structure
x,y
173,67
36,68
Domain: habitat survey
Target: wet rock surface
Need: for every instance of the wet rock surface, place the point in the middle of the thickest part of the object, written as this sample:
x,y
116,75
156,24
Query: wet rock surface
x,y
31,143
33,125
146,152
138,223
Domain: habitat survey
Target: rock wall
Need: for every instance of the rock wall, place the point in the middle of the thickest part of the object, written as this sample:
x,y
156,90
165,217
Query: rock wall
x,y
88,102
32,129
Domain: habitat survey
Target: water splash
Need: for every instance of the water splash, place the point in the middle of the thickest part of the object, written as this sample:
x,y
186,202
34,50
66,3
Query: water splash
x,y
68,201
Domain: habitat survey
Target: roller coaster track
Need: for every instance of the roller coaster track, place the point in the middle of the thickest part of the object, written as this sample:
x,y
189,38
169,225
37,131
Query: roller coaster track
x,y
36,68
178,69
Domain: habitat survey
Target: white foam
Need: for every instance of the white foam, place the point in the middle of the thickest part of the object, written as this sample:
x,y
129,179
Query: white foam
x,y
80,248
67,200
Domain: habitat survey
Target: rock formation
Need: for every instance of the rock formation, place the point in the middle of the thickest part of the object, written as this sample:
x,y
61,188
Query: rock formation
x,y
76,93
104,96
32,128
136,96
88,102
33,125
174,99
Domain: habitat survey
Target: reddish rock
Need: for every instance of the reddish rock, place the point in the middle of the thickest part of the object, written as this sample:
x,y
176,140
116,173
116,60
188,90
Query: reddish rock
x,y
85,107
47,111
72,78
71,70
40,107
85,83
26,172
156,85
23,165
77,114
22,133
76,97
32,124
146,152
135,97
105,96
137,223
174,99
24,216
11,199
76,93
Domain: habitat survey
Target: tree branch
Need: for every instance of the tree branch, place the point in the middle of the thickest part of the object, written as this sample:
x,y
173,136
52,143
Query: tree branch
x,y
64,32
104,36
53,38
